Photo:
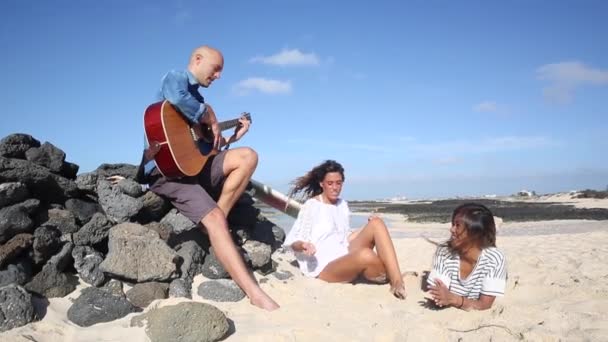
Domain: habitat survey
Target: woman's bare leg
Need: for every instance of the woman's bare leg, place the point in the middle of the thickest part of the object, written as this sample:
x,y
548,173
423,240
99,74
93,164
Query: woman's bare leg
x,y
347,268
375,234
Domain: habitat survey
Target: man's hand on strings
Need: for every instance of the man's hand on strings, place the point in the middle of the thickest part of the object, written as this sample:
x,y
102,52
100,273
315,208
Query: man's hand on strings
x,y
242,128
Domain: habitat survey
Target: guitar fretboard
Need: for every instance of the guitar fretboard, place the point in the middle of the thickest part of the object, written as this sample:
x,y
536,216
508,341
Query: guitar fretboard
x,y
224,125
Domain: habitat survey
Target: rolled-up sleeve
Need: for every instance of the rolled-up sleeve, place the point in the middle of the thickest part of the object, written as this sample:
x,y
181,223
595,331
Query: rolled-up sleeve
x,y
496,281
175,90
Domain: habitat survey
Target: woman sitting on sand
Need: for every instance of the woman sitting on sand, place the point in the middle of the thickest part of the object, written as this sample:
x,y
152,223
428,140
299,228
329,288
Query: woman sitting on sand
x,y
469,272
323,243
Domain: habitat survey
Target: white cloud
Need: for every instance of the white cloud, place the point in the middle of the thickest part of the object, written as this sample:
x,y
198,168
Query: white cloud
x,y
288,58
262,85
565,77
486,107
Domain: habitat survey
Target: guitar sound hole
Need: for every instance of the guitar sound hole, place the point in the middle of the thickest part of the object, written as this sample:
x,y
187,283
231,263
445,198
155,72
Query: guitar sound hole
x,y
205,148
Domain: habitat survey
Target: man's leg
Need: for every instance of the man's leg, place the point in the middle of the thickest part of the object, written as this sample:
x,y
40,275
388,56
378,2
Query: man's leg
x,y
239,165
229,257
194,202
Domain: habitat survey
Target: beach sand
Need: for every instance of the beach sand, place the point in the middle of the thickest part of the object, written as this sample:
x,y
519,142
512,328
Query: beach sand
x,y
577,202
557,290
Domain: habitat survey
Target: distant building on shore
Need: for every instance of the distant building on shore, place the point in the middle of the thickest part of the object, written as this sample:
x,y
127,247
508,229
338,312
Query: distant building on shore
x,y
397,199
526,193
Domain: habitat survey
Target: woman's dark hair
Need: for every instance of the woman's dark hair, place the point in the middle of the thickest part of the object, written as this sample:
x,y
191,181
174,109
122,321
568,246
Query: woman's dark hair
x,y
478,220
309,183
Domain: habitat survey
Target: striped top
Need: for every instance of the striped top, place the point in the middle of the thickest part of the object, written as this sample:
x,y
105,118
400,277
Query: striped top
x,y
489,275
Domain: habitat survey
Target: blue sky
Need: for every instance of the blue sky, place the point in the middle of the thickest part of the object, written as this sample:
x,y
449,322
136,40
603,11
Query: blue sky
x,y
415,98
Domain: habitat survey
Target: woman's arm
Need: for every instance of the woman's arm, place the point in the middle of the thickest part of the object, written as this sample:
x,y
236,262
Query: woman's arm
x,y
483,303
301,231
304,247
443,297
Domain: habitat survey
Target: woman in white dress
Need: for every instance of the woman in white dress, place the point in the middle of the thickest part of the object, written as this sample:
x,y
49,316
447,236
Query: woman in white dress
x,y
323,242
469,272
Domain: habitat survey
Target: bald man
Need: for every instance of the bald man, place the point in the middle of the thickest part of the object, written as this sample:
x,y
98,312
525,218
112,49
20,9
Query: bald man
x,y
226,173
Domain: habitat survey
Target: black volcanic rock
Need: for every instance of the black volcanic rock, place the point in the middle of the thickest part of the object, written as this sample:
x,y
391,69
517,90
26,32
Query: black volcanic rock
x,y
11,193
82,209
47,155
52,281
19,272
56,225
47,242
16,219
15,145
97,305
16,308
69,170
86,262
41,182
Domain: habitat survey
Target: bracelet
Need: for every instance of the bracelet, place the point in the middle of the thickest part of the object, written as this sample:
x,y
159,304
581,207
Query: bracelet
x,y
461,303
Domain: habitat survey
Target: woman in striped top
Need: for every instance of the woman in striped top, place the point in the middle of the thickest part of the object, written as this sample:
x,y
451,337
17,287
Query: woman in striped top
x,y
469,272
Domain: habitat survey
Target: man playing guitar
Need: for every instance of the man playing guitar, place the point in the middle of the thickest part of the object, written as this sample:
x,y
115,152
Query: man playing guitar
x,y
228,172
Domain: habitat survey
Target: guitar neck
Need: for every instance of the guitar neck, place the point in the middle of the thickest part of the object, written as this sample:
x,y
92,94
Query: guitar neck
x,y
224,125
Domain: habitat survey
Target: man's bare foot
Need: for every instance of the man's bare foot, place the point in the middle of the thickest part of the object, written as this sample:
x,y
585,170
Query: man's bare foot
x,y
398,290
263,301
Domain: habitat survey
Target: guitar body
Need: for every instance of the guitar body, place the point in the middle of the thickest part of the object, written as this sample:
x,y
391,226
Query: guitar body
x,y
181,152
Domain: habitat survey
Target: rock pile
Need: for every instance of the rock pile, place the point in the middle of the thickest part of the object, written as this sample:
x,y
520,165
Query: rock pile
x,y
57,226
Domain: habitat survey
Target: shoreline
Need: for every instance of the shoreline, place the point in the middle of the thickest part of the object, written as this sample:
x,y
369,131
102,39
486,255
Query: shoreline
x,y
508,209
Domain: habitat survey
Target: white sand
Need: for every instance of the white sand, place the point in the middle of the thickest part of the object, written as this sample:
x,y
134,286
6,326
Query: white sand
x,y
557,290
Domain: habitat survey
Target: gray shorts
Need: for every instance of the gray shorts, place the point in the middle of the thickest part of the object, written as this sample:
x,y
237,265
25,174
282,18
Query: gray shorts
x,y
195,196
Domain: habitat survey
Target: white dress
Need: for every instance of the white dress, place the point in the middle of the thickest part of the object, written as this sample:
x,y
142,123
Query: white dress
x,y
324,225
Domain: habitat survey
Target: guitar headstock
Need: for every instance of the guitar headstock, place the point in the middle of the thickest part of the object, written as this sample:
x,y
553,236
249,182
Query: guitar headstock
x,y
248,116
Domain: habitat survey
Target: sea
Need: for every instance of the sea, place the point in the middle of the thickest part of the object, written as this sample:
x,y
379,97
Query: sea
x,y
285,222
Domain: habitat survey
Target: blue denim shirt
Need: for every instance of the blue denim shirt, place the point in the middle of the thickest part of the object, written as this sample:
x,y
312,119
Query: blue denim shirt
x,y
178,88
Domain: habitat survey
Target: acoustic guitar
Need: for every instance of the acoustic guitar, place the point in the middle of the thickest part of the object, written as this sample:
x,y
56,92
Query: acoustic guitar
x,y
184,147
